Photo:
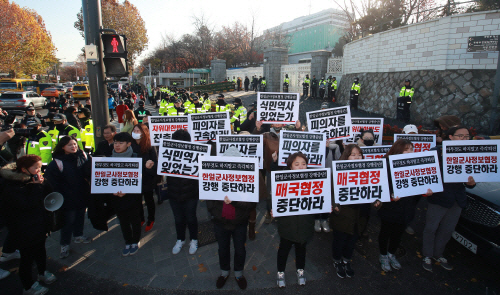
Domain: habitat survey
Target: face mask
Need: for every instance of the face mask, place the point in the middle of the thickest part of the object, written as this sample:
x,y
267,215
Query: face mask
x,y
60,127
136,135
369,142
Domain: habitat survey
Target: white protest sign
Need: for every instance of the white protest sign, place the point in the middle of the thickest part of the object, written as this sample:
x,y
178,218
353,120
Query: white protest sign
x,y
251,146
311,144
301,192
162,127
375,124
335,123
111,175
180,158
360,181
375,152
205,127
235,177
476,158
421,142
276,107
412,174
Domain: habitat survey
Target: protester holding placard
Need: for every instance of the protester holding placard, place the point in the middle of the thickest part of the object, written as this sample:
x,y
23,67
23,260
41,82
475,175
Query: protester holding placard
x,y
230,220
183,194
69,174
395,215
348,223
295,230
444,209
367,138
142,147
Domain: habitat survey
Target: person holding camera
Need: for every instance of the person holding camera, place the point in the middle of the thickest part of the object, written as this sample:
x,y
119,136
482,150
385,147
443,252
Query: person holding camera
x,y
23,192
32,116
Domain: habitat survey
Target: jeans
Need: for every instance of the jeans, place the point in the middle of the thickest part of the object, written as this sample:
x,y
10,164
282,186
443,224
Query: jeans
x,y
284,250
150,204
130,224
389,237
111,114
8,246
73,225
440,223
321,216
223,236
343,245
32,253
185,214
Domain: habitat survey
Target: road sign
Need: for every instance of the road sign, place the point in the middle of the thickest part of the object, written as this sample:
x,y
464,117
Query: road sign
x,y
483,43
58,78
33,76
91,53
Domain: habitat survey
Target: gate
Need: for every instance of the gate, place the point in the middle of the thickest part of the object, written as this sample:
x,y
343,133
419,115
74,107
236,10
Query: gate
x,y
296,73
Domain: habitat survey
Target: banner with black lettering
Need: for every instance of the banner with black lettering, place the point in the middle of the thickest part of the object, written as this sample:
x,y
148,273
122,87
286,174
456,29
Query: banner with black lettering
x,y
251,146
235,177
180,158
375,152
421,142
311,144
205,127
276,107
335,123
360,181
301,192
375,124
412,174
162,127
476,158
112,175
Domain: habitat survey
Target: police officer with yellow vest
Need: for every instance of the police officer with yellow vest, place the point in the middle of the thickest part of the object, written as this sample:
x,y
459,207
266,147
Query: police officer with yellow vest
x,y
63,128
263,84
87,131
177,110
286,83
305,86
197,107
240,114
355,90
221,105
322,87
404,102
164,105
39,142
333,92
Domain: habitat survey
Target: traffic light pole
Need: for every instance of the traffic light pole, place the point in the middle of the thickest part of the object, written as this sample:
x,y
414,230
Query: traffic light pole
x,y
92,24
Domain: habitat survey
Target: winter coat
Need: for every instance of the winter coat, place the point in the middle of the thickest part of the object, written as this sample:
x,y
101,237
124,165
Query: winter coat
x,y
73,181
242,213
111,103
351,219
182,189
148,175
120,110
128,127
21,205
271,145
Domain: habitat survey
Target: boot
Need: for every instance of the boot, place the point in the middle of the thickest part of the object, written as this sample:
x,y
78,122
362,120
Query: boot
x,y
251,231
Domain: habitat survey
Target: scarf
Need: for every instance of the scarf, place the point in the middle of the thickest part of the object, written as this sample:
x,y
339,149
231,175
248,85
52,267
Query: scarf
x,y
126,154
228,211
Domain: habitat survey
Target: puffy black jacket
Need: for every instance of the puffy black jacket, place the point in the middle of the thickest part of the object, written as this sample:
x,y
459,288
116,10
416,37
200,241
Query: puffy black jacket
x,y
182,189
242,212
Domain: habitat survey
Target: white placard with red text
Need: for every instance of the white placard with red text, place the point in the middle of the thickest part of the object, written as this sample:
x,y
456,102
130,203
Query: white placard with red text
x,y
311,144
301,192
375,152
360,181
421,142
162,127
375,124
335,122
111,175
412,174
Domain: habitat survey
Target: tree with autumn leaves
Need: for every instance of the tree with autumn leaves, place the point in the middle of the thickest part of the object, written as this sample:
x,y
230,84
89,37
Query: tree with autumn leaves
x,y
126,20
27,46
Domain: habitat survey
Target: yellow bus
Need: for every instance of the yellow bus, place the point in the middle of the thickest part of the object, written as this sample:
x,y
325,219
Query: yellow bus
x,y
13,84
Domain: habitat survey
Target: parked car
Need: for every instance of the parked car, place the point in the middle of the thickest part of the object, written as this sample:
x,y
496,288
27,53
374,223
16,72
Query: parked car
x,y
478,229
81,91
44,86
52,92
21,100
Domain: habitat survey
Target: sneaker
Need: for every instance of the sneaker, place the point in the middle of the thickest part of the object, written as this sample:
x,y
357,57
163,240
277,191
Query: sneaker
x,y
317,225
269,218
443,262
427,264
339,266
384,262
133,249
325,226
83,239
409,230
242,282
178,246
64,251
36,289
301,278
193,246
126,250
149,226
348,270
47,278
281,279
394,262
4,273
9,256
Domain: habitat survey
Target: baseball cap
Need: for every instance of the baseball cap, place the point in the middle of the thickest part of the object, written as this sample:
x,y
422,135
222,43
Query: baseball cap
x,y
33,122
220,96
410,128
237,100
177,101
30,108
59,117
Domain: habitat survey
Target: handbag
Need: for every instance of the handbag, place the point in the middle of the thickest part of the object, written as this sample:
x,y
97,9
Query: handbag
x,y
163,192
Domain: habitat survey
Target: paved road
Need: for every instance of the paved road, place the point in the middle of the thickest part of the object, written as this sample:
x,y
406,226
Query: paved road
x,y
98,268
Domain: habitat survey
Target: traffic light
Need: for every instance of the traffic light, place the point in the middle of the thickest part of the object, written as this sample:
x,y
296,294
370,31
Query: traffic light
x,y
115,55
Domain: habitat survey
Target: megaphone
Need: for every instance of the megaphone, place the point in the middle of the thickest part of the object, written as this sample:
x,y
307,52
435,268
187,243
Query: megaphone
x,y
53,201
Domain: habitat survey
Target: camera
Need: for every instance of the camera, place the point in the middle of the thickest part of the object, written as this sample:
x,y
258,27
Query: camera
x,y
20,131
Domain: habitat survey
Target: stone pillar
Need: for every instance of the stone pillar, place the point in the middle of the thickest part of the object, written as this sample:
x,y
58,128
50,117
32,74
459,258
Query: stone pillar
x,y
217,70
274,58
319,63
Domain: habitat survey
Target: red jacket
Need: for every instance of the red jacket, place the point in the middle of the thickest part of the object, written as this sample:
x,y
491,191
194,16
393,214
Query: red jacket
x,y
120,110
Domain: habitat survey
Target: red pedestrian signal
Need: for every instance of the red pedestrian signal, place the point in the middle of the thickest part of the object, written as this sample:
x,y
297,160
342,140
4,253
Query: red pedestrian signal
x,y
114,43
115,55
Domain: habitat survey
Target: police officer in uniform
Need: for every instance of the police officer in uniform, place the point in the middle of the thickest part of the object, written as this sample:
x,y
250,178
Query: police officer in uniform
x,y
39,142
240,115
305,86
62,128
333,93
286,83
263,84
177,110
141,112
404,102
31,116
322,87
314,87
197,107
221,105
355,90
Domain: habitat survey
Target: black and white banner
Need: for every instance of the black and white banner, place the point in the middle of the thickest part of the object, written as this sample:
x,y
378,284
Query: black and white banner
x,y
162,127
335,123
421,142
375,152
205,127
311,144
375,124
180,158
251,146
276,107
112,175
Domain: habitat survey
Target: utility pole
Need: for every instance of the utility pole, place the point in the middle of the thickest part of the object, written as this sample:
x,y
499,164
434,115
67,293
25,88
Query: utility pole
x,y
92,24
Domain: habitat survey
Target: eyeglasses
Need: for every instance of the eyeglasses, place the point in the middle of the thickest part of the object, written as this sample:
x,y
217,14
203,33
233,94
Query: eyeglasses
x,y
462,136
